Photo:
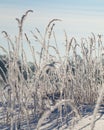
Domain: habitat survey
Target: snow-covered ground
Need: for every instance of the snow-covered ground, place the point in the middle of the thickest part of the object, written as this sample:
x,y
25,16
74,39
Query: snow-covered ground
x,y
54,122
84,123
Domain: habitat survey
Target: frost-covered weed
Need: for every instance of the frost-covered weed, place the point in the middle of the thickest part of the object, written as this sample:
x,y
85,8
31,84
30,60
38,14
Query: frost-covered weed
x,y
53,82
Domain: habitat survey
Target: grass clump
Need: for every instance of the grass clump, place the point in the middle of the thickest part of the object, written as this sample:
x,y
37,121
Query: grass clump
x,y
50,82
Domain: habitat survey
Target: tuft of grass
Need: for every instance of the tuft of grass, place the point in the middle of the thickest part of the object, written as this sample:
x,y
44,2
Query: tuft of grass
x,y
53,81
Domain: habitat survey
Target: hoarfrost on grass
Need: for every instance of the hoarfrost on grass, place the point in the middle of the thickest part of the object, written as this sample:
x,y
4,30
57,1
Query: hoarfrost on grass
x,y
53,91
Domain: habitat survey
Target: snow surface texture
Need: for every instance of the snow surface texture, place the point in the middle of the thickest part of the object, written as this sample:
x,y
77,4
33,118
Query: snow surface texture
x,y
54,122
84,124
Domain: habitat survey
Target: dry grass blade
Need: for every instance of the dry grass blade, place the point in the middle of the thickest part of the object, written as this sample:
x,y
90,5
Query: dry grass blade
x,y
25,15
8,39
57,49
6,34
39,33
94,38
53,20
51,30
32,50
27,38
20,22
3,49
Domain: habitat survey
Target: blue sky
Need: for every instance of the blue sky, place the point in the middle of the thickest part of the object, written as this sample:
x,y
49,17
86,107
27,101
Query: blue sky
x,y
79,17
